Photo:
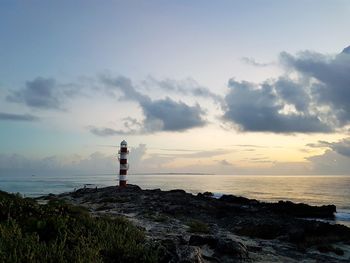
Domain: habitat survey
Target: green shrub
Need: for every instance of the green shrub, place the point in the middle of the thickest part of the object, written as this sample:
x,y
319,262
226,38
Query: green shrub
x,y
59,232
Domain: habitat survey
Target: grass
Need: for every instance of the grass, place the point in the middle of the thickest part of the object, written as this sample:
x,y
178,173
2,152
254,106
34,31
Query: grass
x,y
59,232
196,226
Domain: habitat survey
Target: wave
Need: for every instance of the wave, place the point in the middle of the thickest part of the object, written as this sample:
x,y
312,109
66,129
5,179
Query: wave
x,y
342,216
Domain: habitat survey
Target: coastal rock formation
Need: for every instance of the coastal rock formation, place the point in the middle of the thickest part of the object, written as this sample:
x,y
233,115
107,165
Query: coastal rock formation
x,y
200,228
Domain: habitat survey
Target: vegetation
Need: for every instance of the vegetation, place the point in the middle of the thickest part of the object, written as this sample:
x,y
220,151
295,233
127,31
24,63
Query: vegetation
x,y
196,226
59,232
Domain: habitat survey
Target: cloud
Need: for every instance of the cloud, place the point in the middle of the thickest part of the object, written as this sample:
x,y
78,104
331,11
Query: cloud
x,y
124,85
17,164
259,160
224,162
159,115
292,93
313,95
341,147
131,125
94,163
198,154
330,162
254,146
262,108
43,93
328,79
346,50
169,115
335,159
185,87
103,132
39,93
17,117
253,62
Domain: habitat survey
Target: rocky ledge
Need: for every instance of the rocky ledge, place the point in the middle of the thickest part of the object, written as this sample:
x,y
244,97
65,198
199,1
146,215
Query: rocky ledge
x,y
200,228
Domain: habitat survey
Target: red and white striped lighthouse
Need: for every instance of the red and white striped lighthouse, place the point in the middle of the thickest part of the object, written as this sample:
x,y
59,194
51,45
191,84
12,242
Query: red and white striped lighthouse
x,y
123,161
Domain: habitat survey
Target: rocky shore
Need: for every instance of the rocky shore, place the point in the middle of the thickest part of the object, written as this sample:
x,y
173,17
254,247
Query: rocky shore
x,y
200,228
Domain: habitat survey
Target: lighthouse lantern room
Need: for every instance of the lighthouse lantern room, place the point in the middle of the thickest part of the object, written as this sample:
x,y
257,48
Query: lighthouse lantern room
x,y
123,161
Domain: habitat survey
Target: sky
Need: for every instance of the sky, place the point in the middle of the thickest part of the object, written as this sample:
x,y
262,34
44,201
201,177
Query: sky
x,y
223,87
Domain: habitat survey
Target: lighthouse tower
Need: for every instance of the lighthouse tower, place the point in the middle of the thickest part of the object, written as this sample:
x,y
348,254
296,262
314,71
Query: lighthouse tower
x,y
123,161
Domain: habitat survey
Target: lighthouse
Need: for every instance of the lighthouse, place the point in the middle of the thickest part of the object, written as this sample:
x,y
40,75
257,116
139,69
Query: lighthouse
x,y
123,161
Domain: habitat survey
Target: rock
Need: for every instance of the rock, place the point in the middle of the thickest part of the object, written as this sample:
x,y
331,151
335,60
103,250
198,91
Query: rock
x,y
205,195
316,233
209,194
190,254
197,240
169,248
271,227
264,230
296,235
254,248
329,248
177,191
231,248
236,199
303,210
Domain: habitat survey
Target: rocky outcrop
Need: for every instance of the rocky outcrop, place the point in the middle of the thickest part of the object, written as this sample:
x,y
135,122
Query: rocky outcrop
x,y
201,228
303,210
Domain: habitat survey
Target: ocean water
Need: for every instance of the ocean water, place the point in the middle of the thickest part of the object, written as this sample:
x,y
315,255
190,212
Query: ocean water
x,y
314,190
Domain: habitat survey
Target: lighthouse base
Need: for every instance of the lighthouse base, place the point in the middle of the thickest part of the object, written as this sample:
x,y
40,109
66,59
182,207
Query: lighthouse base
x,y
122,183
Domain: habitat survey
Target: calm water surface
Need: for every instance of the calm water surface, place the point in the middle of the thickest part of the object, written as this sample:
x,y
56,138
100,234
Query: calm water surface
x,y
315,190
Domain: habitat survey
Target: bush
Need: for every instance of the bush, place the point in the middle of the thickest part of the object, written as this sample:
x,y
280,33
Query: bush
x,y
59,232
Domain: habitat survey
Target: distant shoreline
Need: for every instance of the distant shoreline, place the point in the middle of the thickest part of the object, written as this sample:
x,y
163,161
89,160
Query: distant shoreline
x,y
172,174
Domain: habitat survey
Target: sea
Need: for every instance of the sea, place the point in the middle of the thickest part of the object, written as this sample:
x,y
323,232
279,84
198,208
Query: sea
x,y
313,190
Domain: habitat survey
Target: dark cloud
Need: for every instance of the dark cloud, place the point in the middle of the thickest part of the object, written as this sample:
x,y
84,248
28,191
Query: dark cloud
x,y
292,93
341,147
160,115
328,80
312,96
39,93
260,108
169,115
43,93
17,117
